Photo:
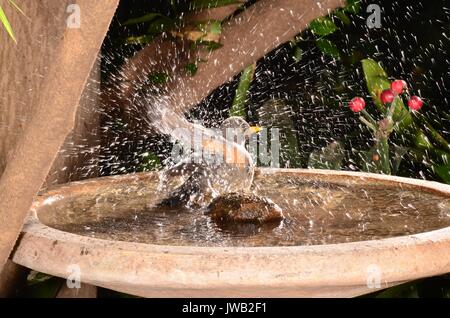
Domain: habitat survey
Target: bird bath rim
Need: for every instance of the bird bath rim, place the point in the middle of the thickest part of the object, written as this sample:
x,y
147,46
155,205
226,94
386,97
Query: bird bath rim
x,y
168,270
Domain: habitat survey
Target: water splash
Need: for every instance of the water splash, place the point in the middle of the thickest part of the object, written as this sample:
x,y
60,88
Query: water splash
x,y
213,164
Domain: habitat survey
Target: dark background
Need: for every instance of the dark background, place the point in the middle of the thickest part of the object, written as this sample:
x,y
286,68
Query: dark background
x,y
412,44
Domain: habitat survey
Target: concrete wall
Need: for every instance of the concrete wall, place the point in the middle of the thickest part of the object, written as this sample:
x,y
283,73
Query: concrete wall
x,y
23,67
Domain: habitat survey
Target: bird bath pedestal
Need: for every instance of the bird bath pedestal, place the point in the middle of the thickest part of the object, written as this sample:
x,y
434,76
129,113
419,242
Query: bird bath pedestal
x,y
157,270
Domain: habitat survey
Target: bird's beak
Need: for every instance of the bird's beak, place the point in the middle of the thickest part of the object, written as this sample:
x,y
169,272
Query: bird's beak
x,y
253,130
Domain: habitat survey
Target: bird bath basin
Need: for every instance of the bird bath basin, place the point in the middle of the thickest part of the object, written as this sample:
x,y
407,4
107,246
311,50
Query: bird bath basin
x,y
345,234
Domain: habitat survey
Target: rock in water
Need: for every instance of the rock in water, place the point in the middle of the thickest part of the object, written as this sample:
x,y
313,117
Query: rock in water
x,y
244,208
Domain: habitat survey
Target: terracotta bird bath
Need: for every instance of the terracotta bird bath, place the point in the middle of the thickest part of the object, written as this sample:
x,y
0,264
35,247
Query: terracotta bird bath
x,y
345,234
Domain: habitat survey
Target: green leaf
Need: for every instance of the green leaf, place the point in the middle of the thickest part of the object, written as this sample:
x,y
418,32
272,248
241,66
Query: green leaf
x,y
329,157
216,27
298,53
329,48
401,116
323,26
160,25
35,277
4,20
342,16
432,132
211,45
238,106
376,81
150,162
443,172
198,5
191,68
142,39
353,6
209,32
145,18
210,26
158,78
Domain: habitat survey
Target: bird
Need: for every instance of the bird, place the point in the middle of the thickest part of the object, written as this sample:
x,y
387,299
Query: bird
x,y
195,182
216,186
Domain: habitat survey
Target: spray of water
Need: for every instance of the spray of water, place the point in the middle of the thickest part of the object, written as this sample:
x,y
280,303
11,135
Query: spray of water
x,y
211,164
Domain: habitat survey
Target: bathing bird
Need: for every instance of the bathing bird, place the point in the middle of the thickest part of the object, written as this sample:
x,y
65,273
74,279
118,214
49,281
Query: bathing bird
x,y
195,181
221,186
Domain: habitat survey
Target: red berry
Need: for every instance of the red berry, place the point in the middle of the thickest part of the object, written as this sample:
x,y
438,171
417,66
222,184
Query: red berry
x,y
387,96
357,104
415,103
398,86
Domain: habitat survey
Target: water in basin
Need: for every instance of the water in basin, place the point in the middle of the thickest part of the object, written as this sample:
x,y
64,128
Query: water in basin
x,y
318,210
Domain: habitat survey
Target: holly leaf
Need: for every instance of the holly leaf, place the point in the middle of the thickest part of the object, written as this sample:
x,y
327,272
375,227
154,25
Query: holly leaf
x,y
443,172
323,26
340,14
191,68
158,78
329,48
353,6
150,162
377,81
238,106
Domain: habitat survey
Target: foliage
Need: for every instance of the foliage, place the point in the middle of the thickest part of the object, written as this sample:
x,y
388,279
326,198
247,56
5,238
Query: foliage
x,y
5,22
238,106
191,68
205,32
329,157
149,162
391,124
322,27
40,285
158,78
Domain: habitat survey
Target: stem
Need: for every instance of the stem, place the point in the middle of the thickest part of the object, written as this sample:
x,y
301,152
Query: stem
x,y
368,124
369,117
383,149
391,109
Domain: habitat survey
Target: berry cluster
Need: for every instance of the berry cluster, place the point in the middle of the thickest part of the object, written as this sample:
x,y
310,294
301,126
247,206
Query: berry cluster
x,y
387,96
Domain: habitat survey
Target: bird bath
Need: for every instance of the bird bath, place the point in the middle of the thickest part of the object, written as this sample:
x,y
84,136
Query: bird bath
x,y
345,234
